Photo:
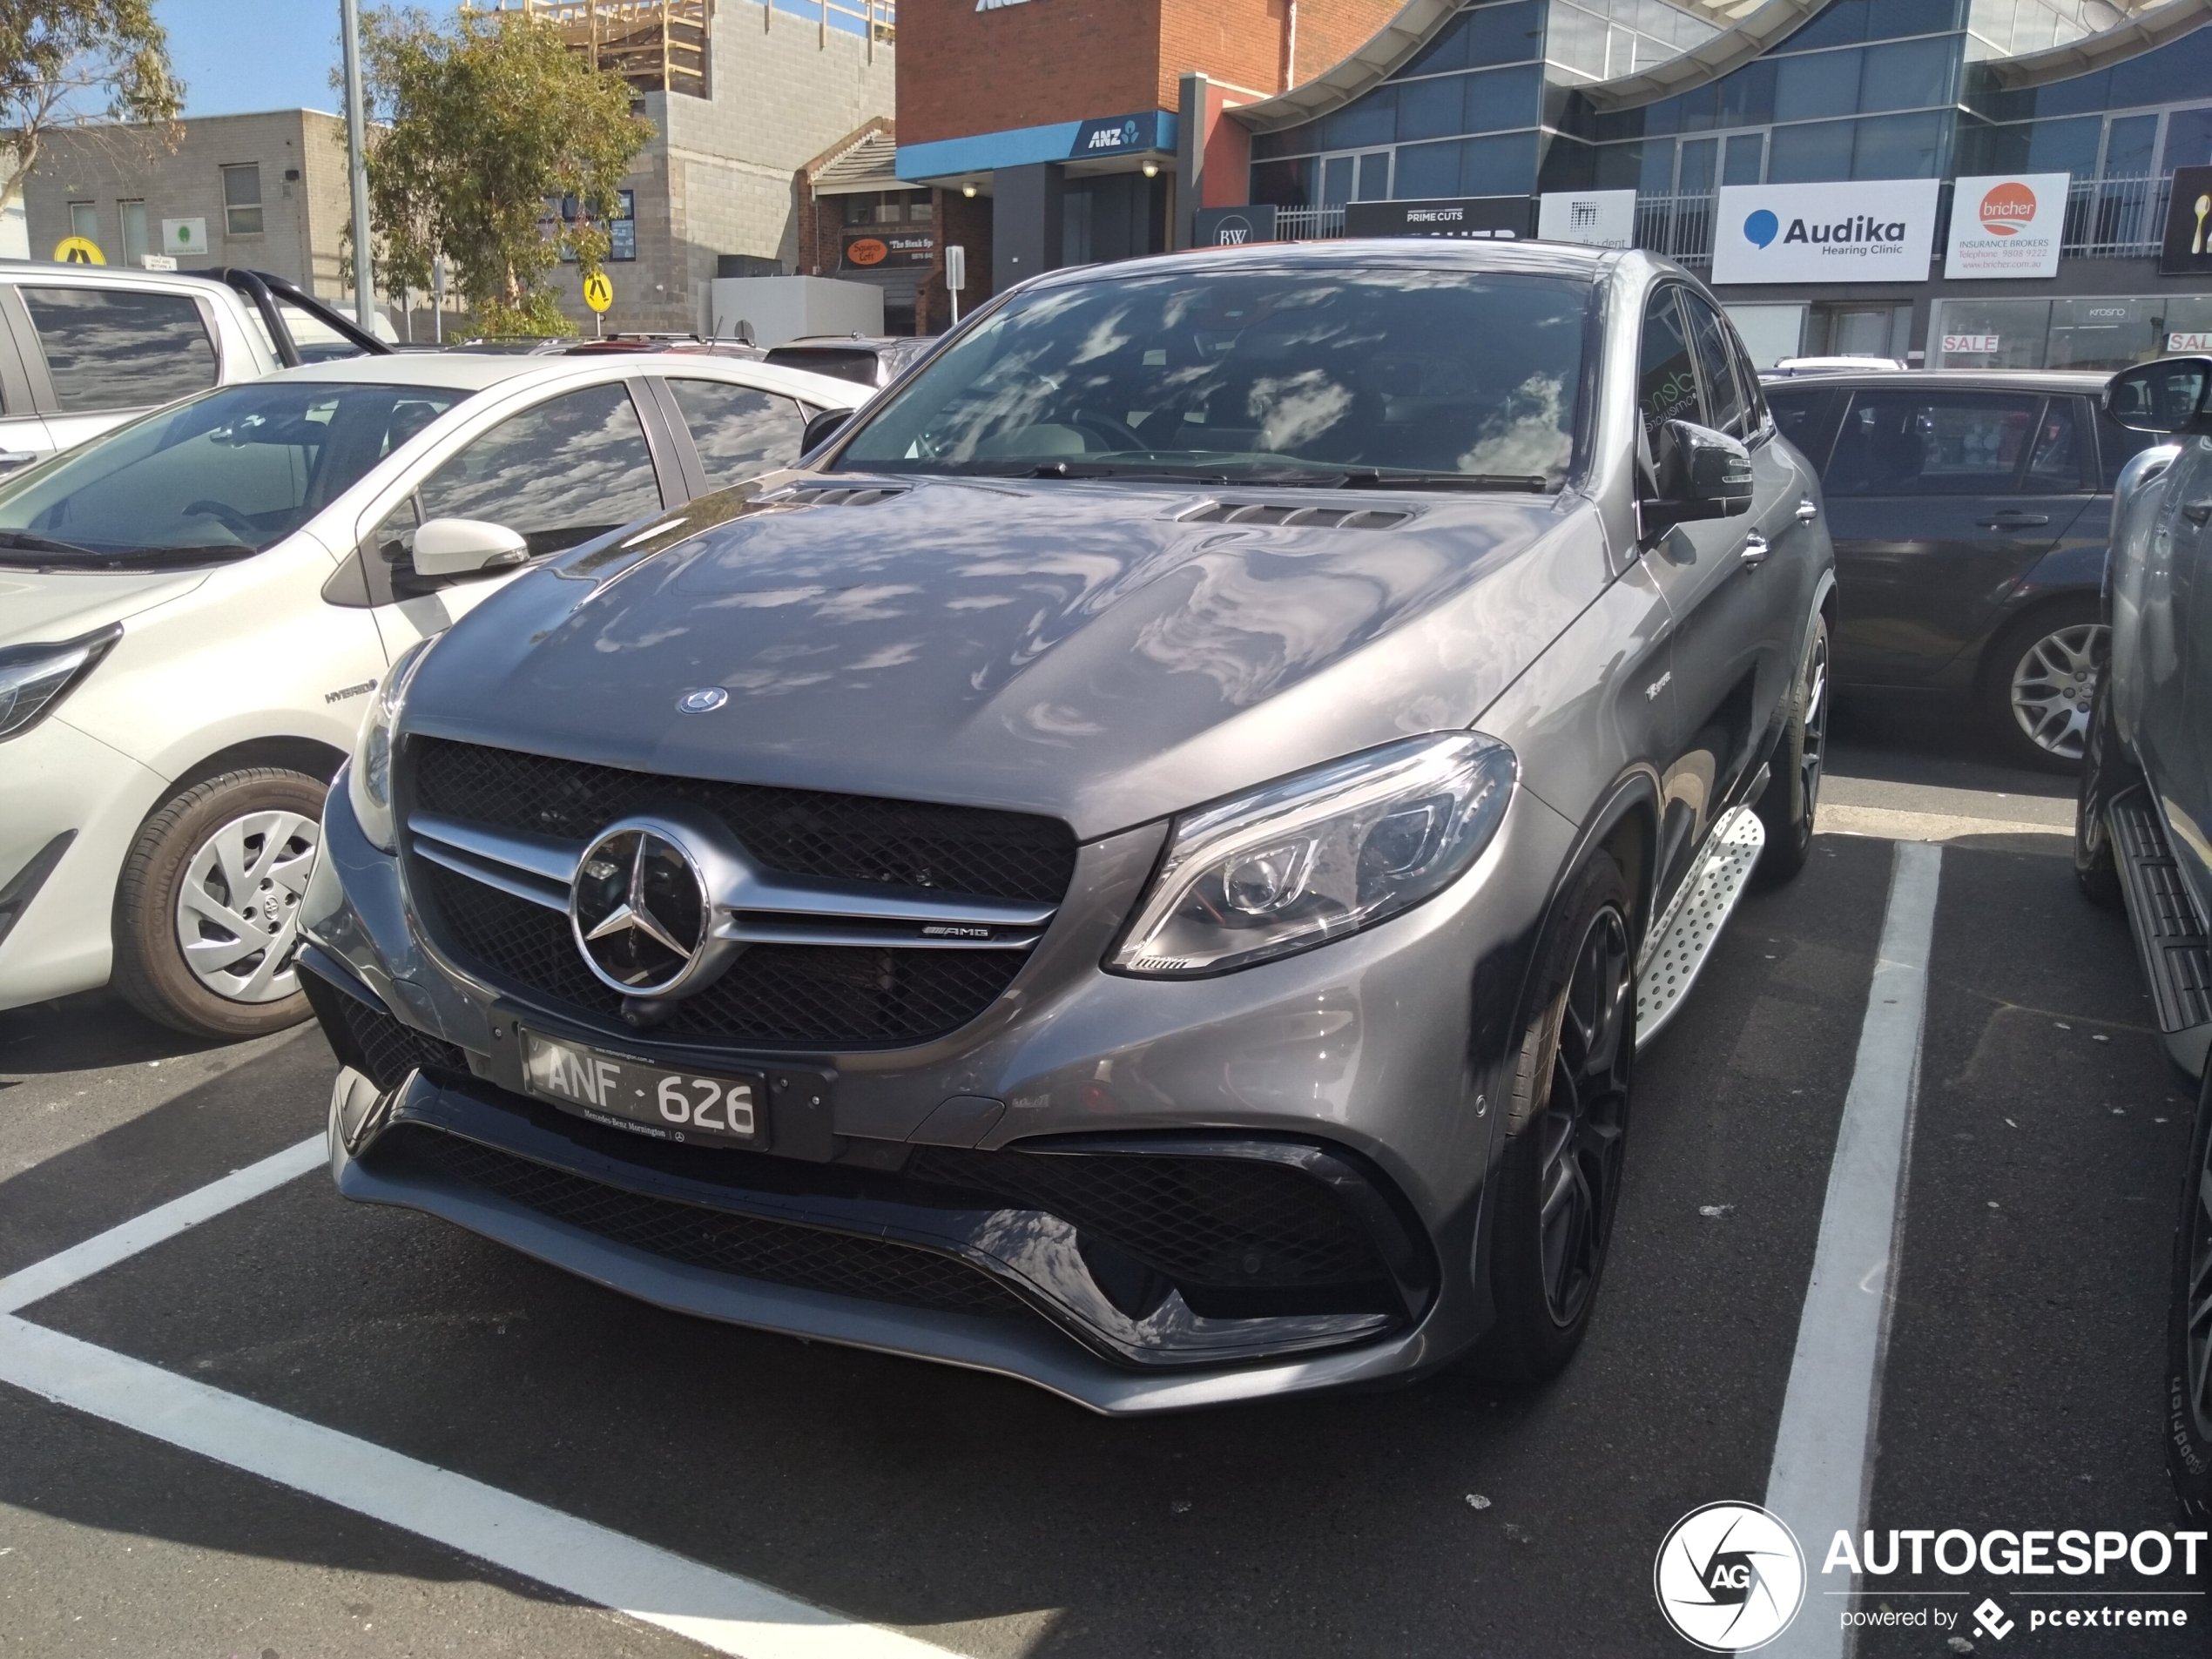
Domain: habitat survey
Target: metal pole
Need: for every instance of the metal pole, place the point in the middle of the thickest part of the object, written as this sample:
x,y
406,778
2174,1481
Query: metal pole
x,y
349,29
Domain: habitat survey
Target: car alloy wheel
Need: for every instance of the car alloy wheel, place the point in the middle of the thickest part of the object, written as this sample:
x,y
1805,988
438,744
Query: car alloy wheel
x,y
1584,1118
2054,685
238,907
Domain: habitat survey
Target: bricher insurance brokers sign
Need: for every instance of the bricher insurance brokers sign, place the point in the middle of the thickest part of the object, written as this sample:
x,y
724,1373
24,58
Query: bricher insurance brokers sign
x,y
1876,230
2006,226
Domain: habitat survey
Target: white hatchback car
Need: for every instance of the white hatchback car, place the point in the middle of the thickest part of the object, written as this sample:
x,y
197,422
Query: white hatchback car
x,y
194,606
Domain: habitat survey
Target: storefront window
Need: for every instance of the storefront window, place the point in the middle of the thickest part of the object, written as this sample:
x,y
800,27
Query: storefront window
x,y
1989,334
2099,332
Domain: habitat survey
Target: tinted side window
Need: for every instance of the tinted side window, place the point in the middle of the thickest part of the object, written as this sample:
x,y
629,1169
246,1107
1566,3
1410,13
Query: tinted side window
x,y
1666,378
1723,395
113,348
1910,442
559,473
2055,464
1807,417
739,433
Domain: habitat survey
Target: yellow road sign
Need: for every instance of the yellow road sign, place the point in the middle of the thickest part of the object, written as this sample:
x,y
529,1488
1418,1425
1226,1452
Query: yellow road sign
x,y
79,250
598,293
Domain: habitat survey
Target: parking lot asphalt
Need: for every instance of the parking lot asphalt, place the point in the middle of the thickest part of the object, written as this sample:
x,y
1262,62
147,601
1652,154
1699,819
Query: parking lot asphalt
x,y
2022,1387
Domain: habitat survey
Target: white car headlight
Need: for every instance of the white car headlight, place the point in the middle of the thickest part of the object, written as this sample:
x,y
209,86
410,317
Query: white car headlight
x,y
33,679
1318,856
369,780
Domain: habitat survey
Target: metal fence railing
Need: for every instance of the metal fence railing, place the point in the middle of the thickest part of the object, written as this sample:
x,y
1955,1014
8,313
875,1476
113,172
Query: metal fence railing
x,y
1309,224
1681,228
2115,219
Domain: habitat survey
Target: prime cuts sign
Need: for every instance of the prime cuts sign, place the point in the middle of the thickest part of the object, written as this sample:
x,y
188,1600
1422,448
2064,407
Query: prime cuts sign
x,y
2006,226
1877,230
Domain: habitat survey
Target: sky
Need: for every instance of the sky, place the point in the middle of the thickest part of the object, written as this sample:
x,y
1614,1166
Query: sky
x,y
235,56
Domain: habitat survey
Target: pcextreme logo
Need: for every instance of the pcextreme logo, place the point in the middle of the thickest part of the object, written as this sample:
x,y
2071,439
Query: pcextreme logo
x,y
1730,1577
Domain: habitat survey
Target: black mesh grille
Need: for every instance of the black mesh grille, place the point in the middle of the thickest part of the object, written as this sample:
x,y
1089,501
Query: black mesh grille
x,y
805,1257
1225,1222
856,837
777,997
372,1041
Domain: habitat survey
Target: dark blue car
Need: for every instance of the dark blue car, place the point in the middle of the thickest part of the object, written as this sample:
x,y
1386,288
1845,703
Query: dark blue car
x,y
1970,513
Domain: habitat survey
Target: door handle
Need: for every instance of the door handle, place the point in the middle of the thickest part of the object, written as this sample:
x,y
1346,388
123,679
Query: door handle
x,y
10,460
1807,510
1755,551
2012,521
2197,511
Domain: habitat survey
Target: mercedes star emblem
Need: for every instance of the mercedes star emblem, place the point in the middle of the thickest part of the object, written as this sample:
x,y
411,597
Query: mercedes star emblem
x,y
639,909
703,700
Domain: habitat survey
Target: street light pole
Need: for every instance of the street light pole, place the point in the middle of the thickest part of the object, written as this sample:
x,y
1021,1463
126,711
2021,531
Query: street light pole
x,y
349,29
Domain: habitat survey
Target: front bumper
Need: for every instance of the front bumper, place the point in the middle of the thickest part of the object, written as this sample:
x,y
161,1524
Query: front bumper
x,y
69,807
1334,1107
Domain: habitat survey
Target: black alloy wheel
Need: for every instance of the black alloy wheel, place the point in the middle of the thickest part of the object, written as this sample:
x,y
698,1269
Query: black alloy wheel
x,y
1557,1185
1584,1119
2188,1326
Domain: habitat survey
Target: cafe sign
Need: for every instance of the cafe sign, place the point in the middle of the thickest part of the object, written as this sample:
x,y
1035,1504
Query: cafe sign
x,y
885,249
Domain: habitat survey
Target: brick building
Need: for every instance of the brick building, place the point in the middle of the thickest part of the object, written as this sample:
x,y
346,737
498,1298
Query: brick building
x,y
1063,117
858,222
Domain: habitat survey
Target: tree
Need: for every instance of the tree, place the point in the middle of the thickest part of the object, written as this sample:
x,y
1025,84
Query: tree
x,y
486,124
63,62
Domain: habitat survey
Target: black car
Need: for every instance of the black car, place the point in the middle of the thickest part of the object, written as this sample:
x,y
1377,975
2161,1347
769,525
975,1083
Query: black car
x,y
1969,514
866,359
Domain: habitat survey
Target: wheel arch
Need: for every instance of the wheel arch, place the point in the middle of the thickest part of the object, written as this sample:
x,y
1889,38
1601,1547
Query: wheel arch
x,y
317,759
2016,618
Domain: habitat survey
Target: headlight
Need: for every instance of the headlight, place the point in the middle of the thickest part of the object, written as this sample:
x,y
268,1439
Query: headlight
x,y
1315,857
33,679
369,780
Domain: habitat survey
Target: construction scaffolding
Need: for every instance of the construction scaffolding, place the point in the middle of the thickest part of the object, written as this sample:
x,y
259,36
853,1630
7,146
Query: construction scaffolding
x,y
660,45
656,46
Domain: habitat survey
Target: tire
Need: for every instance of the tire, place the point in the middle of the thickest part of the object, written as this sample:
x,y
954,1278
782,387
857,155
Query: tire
x,y
254,829
2039,679
1792,795
2188,1326
1564,1133
2095,870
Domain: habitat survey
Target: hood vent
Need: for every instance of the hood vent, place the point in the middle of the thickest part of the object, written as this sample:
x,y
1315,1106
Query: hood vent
x,y
1327,518
848,494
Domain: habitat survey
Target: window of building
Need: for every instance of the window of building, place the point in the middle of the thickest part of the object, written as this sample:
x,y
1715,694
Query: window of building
x,y
84,220
119,348
888,207
134,232
242,200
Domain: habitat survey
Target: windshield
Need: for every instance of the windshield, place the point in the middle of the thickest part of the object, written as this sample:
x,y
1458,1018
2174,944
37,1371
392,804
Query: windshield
x,y
1312,377
220,477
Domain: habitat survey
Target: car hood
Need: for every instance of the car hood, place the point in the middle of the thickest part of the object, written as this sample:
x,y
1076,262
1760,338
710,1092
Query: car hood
x,y
1104,653
42,606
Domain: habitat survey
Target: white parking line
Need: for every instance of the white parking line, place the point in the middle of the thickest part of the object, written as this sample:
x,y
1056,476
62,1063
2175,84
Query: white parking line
x,y
1824,1451
719,1610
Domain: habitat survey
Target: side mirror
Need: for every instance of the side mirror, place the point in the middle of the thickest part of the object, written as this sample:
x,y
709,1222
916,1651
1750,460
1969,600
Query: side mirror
x,y
464,546
2164,396
1701,473
824,426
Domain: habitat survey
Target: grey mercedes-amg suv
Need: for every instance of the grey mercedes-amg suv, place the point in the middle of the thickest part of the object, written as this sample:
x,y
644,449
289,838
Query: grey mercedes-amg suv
x,y
1142,865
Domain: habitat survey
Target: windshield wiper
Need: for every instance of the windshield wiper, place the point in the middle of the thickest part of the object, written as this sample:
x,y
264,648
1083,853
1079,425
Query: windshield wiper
x,y
1144,474
1373,480
29,544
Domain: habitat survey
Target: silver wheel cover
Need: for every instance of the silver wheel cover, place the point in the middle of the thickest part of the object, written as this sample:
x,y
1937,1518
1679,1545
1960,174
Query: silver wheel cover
x,y
2053,684
238,911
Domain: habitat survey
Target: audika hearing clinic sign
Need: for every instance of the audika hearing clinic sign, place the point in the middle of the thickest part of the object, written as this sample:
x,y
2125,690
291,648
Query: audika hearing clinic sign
x,y
2007,226
1870,230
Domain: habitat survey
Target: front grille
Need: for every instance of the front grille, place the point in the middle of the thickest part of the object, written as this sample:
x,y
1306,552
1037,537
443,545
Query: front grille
x,y
1230,1223
800,831
804,1258
372,1041
773,996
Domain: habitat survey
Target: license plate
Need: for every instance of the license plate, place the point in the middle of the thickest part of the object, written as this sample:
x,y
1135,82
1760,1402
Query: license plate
x,y
644,1099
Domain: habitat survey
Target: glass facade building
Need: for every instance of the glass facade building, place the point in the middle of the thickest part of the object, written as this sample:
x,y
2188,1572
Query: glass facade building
x,y
1510,98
